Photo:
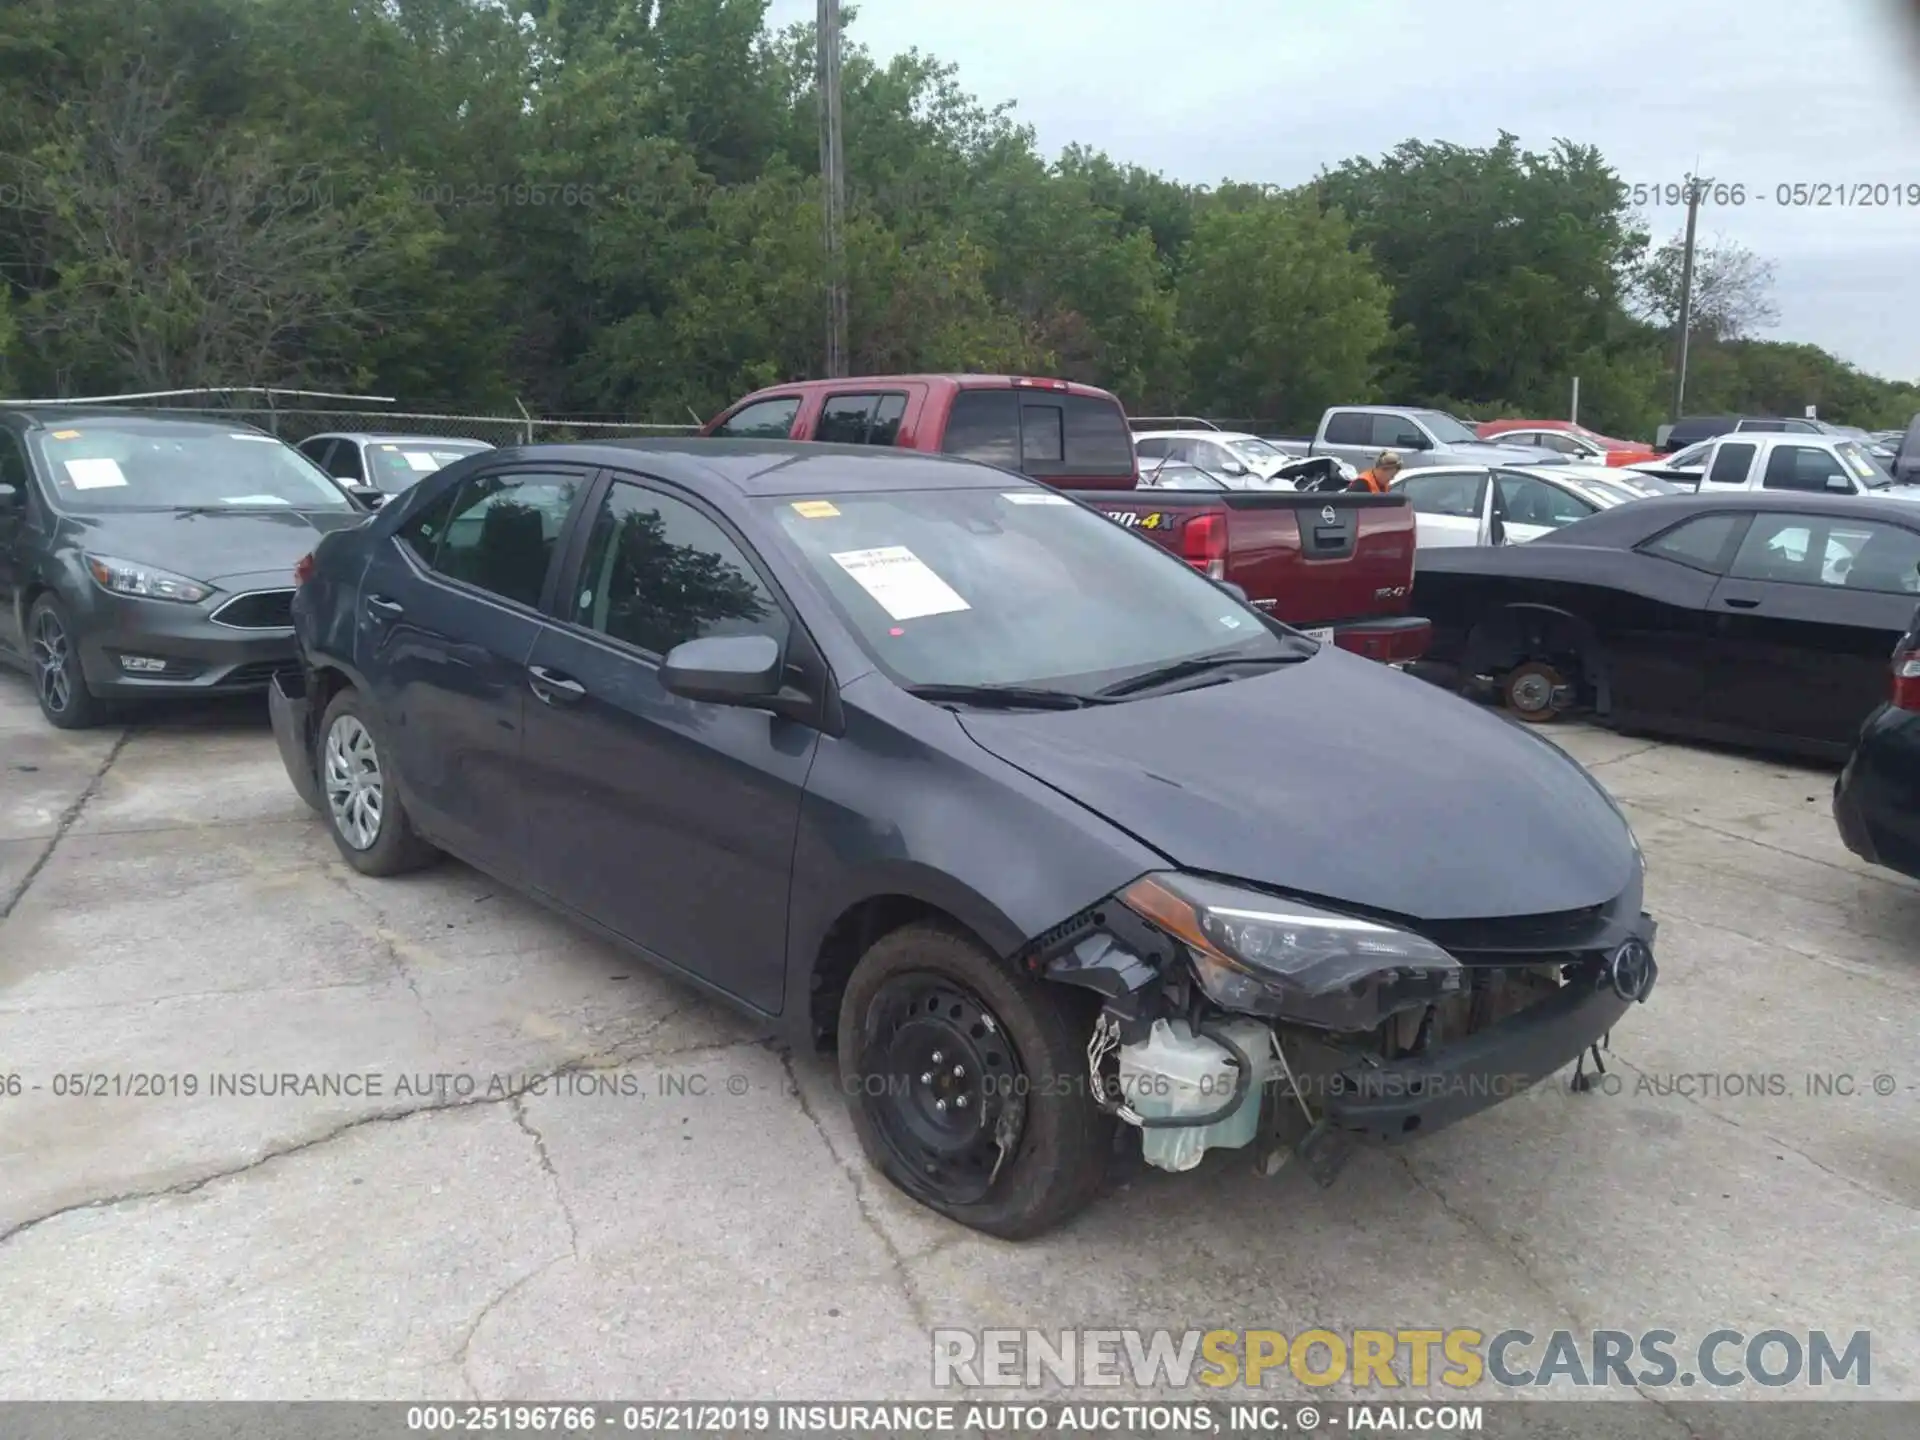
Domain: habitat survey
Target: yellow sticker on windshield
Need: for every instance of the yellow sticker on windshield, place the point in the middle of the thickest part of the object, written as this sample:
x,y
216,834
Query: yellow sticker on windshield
x,y
66,434
816,509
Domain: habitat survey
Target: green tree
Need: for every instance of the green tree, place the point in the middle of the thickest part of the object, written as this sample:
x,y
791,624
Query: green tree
x,y
1285,315
1508,266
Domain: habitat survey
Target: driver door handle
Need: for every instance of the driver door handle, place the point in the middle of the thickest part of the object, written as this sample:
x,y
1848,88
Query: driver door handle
x,y
1740,602
387,609
553,687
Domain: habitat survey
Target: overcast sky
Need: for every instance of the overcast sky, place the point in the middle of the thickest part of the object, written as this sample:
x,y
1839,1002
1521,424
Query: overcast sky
x,y
1762,92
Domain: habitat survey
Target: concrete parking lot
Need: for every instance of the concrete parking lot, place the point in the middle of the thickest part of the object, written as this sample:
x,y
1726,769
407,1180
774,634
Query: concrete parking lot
x,y
681,1209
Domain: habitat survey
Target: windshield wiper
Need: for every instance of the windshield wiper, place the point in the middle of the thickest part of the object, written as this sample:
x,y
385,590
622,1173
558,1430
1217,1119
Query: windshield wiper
x,y
1003,697
1196,665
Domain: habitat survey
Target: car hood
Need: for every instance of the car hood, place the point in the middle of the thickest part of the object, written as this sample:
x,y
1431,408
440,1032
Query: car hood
x,y
1896,492
1338,779
213,546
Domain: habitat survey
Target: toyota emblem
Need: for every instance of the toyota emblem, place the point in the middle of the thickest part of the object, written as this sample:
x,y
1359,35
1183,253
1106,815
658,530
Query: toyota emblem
x,y
1631,970
1330,515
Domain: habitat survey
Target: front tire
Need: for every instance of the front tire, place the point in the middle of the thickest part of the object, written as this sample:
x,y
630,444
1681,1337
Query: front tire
x,y
362,805
59,684
967,1083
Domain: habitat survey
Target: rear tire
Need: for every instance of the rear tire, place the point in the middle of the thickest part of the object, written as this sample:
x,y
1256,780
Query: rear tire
x,y
1013,1147
360,801
59,684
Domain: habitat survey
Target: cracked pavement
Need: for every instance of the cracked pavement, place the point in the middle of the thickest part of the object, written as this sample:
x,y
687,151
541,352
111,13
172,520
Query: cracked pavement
x,y
577,1178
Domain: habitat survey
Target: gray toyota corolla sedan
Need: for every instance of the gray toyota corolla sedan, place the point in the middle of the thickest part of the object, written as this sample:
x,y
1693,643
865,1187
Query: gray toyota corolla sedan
x,y
144,557
1059,843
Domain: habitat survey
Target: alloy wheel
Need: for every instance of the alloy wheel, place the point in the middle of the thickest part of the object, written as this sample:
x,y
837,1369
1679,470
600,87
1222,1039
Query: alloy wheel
x,y
944,1088
52,663
356,791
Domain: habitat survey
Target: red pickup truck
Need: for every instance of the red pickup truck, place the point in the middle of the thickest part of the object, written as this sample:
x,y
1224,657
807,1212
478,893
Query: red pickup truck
x,y
1338,564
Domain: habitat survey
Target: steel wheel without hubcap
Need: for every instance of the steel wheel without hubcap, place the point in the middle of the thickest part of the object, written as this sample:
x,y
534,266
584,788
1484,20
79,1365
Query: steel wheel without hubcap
x,y
52,661
356,794
946,1091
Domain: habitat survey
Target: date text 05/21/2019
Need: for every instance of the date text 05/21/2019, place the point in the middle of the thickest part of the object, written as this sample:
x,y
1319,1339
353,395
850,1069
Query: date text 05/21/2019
x,y
1786,195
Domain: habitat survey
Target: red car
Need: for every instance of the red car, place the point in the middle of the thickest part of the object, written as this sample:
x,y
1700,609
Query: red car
x,y
1576,442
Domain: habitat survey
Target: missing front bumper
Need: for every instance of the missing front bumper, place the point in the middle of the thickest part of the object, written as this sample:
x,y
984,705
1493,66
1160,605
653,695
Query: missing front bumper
x,y
1397,1100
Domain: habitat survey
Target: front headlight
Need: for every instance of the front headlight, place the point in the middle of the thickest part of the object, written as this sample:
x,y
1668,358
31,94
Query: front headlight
x,y
1263,955
148,582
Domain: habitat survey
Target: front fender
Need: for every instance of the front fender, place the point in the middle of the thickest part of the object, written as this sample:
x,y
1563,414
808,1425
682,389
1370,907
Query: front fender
x,y
907,805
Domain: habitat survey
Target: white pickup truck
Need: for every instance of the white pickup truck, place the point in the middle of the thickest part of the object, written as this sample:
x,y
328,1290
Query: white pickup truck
x,y
1822,464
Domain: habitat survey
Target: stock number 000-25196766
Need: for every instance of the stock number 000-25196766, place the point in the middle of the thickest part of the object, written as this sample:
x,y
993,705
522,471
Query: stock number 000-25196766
x,y
640,1418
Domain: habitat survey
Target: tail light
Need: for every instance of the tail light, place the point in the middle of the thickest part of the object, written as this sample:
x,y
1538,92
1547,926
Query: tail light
x,y
1203,545
1906,677
303,569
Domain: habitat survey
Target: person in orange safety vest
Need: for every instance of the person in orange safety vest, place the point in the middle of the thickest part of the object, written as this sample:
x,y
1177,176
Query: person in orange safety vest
x,y
1382,475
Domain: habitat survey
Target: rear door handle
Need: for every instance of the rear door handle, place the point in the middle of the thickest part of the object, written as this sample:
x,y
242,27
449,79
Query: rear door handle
x,y
1734,602
553,687
381,605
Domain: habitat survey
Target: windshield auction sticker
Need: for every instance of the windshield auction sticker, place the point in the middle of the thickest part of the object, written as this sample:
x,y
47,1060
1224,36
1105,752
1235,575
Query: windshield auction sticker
x,y
815,509
94,474
900,581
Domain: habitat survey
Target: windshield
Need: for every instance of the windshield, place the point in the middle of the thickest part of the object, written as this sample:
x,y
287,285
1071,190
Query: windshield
x,y
1017,587
1254,451
1446,429
396,465
157,465
1862,463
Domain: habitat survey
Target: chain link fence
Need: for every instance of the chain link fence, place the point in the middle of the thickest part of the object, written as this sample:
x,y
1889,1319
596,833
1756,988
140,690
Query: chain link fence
x,y
295,425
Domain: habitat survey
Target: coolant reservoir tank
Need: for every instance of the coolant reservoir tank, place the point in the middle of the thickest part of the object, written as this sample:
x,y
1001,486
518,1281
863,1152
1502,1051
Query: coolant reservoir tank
x,y
1175,1073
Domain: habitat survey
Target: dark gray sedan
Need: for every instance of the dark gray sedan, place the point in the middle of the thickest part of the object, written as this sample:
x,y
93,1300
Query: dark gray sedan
x,y
145,557
1052,836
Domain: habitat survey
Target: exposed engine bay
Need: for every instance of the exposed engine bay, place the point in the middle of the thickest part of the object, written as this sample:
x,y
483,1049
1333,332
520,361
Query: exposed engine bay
x,y
1236,1019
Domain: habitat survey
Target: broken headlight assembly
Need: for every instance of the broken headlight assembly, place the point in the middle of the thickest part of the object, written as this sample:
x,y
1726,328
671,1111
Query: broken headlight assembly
x,y
1259,954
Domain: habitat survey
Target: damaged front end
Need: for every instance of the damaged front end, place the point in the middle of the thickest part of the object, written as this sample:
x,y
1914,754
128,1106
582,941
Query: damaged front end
x,y
1235,1016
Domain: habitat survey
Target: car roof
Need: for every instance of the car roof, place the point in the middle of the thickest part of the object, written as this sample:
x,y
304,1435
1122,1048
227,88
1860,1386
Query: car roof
x,y
48,416
964,380
779,467
397,436
1627,525
1194,435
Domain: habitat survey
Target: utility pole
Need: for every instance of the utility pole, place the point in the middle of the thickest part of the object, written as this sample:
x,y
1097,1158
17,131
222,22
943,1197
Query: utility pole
x,y
1694,187
833,186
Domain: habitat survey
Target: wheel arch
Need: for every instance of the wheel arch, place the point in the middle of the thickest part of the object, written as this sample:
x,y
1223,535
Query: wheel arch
x,y
1515,631
818,981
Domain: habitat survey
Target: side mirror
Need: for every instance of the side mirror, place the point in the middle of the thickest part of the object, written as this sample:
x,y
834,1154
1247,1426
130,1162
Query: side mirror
x,y
371,496
1234,590
1232,467
10,497
1840,483
1411,441
724,669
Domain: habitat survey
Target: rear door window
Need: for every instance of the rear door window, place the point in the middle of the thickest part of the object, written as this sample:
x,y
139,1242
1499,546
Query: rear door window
x,y
1731,464
887,416
497,532
1700,543
762,420
1453,494
844,419
1349,427
1527,501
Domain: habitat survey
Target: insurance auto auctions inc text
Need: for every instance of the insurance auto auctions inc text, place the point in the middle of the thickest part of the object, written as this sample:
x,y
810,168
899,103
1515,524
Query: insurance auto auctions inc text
x,y
1390,1359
